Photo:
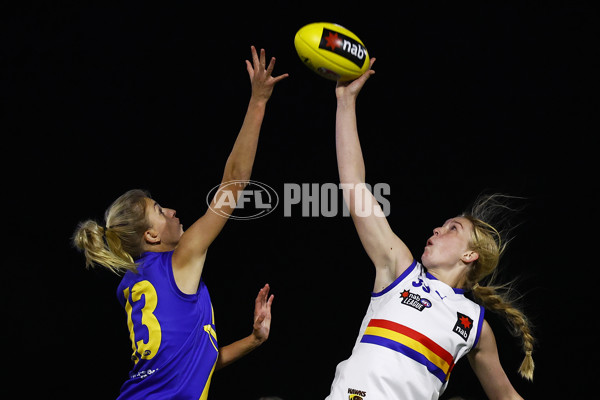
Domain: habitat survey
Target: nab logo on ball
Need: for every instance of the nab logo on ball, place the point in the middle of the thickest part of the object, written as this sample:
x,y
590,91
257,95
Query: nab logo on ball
x,y
332,51
344,46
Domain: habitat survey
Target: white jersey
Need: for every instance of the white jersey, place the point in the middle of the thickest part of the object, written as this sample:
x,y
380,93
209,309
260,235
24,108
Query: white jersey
x,y
414,331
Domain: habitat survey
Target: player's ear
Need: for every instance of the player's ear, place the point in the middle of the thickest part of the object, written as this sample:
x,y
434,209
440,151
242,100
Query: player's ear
x,y
151,236
469,256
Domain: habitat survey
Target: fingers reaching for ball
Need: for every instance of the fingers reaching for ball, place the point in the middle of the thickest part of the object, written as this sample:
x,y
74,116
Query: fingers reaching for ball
x,y
261,76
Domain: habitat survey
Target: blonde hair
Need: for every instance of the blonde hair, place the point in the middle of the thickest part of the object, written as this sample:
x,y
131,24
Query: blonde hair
x,y
119,242
490,244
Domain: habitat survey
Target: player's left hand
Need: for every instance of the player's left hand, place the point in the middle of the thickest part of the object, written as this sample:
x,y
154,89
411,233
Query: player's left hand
x,y
261,75
262,314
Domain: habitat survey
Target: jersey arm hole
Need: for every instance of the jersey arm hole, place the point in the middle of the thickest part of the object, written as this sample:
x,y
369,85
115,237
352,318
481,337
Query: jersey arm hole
x,y
396,281
169,264
479,326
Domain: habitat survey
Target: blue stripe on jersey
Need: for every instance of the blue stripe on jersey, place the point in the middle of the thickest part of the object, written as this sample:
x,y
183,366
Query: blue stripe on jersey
x,y
407,351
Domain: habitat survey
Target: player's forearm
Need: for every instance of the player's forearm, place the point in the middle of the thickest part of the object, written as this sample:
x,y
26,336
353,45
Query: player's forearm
x,y
241,159
351,165
236,350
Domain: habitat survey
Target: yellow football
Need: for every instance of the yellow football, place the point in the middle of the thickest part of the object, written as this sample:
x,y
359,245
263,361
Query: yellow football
x,y
332,51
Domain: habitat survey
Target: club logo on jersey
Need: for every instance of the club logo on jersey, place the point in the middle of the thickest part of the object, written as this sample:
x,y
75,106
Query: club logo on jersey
x,y
414,300
354,394
344,46
463,326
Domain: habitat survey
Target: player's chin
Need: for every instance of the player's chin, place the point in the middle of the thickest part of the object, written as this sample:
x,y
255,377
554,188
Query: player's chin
x,y
425,258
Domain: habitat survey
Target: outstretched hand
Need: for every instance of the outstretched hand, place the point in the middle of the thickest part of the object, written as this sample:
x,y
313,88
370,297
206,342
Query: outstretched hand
x,y
350,89
262,314
261,75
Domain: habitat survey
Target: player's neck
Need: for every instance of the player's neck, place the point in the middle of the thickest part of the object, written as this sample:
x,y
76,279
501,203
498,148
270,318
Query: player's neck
x,y
453,277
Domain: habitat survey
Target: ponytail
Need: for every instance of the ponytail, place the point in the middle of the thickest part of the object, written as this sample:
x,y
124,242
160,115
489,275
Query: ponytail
x,y
117,244
93,239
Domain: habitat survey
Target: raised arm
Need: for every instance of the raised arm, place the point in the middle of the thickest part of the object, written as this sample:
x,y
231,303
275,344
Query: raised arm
x,y
387,252
189,256
486,365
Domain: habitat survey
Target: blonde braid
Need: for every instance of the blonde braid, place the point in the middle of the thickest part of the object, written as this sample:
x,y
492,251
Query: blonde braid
x,y
492,300
490,244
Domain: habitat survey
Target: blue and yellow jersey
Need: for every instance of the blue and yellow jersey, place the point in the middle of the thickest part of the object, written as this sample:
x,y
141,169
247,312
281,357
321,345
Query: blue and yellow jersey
x,y
174,343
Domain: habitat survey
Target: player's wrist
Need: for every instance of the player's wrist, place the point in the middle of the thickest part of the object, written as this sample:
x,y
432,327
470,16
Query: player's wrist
x,y
256,339
346,102
258,101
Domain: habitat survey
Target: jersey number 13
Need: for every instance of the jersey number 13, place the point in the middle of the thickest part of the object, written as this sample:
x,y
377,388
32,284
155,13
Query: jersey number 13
x,y
143,349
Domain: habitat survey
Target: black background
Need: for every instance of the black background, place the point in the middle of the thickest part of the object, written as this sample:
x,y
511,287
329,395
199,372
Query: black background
x,y
99,98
